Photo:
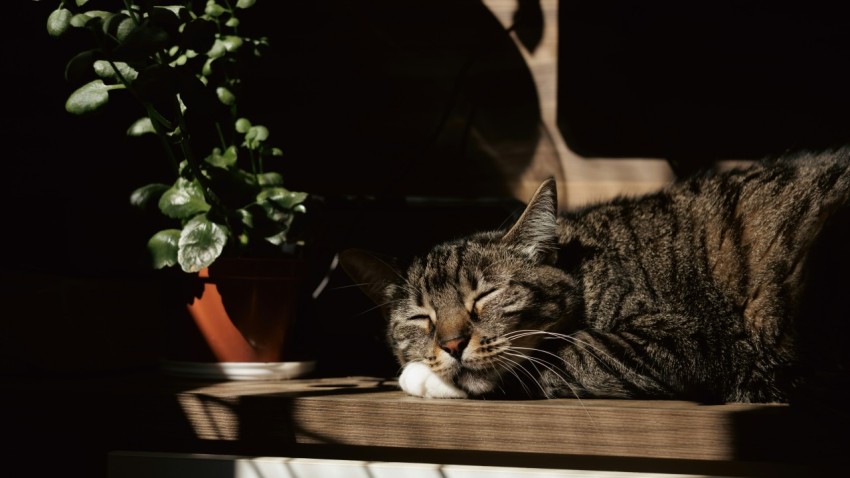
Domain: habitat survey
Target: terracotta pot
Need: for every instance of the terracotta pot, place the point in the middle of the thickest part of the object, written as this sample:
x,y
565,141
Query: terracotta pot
x,y
238,310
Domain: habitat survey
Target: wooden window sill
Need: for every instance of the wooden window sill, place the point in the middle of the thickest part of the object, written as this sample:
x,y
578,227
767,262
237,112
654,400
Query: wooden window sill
x,y
369,418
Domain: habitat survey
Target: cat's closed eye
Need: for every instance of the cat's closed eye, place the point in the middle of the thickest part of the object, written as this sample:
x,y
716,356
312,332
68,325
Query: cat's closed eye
x,y
479,298
484,294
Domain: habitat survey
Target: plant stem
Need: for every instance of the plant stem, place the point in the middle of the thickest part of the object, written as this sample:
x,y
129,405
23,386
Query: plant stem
x,y
197,171
129,6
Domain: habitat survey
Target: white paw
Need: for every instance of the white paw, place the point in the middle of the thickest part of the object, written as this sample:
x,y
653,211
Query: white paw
x,y
418,380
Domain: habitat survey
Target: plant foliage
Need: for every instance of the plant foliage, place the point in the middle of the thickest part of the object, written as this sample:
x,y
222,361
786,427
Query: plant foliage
x,y
181,61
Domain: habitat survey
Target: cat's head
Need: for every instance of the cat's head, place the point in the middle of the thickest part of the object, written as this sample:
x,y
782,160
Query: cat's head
x,y
471,309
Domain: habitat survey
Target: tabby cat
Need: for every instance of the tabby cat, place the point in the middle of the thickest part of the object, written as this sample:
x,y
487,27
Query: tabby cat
x,y
727,286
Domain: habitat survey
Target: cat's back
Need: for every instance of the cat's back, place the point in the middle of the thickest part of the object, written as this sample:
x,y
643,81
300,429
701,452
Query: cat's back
x,y
771,195
744,233
767,208
757,225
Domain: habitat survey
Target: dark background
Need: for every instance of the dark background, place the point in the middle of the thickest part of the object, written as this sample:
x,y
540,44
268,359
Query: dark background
x,y
404,120
701,81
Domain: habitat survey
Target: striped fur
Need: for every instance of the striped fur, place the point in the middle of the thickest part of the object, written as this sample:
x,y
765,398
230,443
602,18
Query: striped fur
x,y
717,288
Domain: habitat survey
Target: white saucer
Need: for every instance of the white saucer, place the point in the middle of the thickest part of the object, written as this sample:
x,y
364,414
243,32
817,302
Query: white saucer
x,y
238,370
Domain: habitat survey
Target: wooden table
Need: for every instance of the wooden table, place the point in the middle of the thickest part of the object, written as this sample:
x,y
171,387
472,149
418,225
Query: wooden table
x,y
361,418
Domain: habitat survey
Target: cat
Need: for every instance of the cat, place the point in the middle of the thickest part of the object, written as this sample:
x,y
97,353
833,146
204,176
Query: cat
x,y
718,288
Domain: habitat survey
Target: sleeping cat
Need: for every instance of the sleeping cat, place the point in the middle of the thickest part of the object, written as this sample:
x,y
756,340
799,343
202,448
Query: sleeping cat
x,y
728,286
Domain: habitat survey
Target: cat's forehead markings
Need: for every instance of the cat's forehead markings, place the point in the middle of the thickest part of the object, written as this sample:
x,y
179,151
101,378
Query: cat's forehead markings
x,y
426,302
417,302
419,298
422,301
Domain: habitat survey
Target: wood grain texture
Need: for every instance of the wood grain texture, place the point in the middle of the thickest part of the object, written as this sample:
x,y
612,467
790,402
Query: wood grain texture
x,y
371,412
369,419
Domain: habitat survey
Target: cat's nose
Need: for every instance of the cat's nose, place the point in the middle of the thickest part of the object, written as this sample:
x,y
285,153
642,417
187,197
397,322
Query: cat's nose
x,y
455,346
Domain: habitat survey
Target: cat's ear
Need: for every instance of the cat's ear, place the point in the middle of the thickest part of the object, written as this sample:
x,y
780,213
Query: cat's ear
x,y
536,230
373,274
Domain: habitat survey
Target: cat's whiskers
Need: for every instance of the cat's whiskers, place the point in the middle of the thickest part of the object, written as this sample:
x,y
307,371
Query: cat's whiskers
x,y
375,307
493,355
545,352
509,366
494,365
536,376
403,282
598,355
612,364
517,365
519,352
349,286
534,361
394,270
556,371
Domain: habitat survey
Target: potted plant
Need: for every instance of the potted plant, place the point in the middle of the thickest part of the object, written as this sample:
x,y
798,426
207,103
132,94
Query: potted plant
x,y
183,63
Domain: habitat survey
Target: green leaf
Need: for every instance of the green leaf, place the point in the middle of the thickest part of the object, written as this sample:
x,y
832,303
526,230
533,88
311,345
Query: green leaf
x,y
262,132
225,96
79,68
246,217
104,69
80,3
207,69
245,3
178,10
278,239
232,42
102,14
163,248
183,200
79,20
145,195
119,26
270,179
201,242
280,198
222,160
58,22
242,125
140,127
255,136
214,10
218,49
88,98
165,19
142,41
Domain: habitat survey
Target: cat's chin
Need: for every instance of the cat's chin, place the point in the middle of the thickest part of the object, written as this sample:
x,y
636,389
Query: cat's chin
x,y
419,380
475,384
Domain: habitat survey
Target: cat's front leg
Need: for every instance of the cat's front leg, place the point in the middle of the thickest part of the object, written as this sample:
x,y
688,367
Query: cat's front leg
x,y
419,380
